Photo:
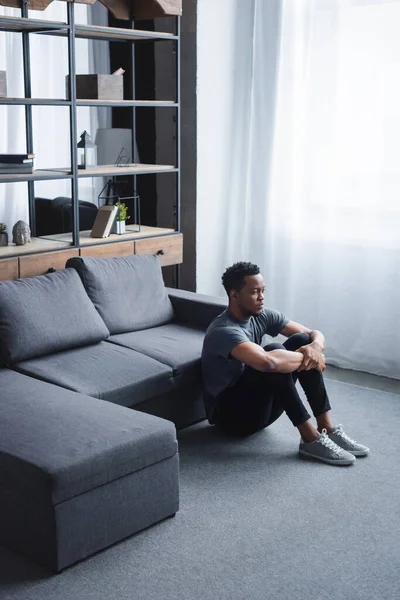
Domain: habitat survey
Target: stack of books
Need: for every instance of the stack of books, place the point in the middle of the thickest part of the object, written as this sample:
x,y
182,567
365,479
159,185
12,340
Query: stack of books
x,y
11,164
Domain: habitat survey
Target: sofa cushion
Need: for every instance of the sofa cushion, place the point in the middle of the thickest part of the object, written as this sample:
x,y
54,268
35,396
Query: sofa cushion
x,y
46,314
178,346
128,291
104,371
52,437
196,310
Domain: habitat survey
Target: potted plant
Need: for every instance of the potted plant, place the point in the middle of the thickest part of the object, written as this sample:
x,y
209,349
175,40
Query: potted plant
x,y
3,235
122,216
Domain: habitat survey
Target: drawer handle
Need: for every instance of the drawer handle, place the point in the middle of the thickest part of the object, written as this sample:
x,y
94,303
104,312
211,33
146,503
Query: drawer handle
x,y
160,252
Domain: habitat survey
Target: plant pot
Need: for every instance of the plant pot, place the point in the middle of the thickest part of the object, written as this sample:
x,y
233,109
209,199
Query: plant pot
x,y
3,239
118,227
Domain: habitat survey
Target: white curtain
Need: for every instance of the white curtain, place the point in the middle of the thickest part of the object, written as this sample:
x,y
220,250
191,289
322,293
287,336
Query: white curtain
x,y
306,166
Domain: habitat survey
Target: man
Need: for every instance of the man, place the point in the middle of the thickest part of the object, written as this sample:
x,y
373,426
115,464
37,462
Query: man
x,y
248,387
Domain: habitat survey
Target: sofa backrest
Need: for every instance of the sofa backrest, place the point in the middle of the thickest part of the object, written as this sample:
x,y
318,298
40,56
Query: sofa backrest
x,y
128,291
46,314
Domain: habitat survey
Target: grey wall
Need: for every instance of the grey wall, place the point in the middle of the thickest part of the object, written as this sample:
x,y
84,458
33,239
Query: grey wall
x,y
165,126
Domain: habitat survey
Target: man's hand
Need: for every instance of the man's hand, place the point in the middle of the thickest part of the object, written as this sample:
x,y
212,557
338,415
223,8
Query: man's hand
x,y
313,357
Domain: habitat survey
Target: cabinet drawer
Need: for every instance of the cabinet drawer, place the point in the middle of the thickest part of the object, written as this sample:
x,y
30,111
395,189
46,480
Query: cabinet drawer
x,y
168,248
8,268
109,250
38,264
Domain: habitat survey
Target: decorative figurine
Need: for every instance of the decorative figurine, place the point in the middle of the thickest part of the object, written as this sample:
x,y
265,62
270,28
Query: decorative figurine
x,y
21,233
3,235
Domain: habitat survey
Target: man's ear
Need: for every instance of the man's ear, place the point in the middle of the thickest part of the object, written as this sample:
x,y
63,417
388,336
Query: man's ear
x,y
233,294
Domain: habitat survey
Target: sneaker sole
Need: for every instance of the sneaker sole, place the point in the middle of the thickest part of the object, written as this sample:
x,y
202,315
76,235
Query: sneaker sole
x,y
358,452
340,463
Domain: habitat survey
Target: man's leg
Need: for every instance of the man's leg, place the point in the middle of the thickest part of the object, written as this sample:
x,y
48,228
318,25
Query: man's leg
x,y
313,384
258,399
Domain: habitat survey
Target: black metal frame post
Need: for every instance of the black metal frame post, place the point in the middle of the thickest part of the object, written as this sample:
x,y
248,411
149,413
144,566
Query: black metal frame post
x,y
72,122
178,138
26,56
134,157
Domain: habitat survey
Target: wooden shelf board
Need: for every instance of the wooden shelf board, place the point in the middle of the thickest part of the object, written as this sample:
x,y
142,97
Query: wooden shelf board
x,y
35,245
81,31
86,102
85,238
37,175
108,170
116,33
62,241
83,102
24,24
33,101
100,171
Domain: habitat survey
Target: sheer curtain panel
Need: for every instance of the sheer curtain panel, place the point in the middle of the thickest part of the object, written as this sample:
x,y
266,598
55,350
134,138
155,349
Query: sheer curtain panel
x,y
304,143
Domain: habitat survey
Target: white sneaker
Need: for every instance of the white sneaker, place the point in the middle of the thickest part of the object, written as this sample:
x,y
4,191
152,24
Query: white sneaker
x,y
340,438
325,449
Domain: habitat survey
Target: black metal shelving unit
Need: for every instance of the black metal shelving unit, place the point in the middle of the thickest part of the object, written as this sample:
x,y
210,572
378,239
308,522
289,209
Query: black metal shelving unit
x,y
27,26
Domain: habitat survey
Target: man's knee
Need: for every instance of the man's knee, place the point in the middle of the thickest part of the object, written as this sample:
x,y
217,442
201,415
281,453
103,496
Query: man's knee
x,y
274,346
297,340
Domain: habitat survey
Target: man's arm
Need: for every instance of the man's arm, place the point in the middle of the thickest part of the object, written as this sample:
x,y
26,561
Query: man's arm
x,y
313,352
275,361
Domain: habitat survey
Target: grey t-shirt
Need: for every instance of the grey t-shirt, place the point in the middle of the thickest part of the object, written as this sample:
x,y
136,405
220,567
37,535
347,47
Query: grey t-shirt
x,y
220,370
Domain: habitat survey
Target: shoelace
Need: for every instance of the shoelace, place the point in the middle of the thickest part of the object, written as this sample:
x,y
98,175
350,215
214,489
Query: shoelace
x,y
328,443
339,431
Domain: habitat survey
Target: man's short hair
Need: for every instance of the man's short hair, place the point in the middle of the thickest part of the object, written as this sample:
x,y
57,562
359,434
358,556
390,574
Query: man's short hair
x,y
233,278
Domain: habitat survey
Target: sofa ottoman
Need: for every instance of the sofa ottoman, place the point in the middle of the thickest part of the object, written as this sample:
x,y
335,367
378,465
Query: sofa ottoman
x,y
77,473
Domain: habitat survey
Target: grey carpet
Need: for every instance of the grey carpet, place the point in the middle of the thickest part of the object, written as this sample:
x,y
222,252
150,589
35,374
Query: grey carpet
x,y
256,522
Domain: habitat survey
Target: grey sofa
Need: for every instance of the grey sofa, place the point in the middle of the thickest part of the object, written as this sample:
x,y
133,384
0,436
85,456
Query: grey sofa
x,y
79,348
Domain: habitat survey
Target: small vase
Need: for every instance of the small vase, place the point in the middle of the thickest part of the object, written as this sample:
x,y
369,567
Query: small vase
x,y
119,227
3,239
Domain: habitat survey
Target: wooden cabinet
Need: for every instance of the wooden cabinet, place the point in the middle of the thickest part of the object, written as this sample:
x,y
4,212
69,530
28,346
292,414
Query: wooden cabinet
x,y
169,248
109,250
38,264
8,268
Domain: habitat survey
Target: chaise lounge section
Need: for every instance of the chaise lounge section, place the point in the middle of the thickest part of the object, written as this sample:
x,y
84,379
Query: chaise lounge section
x,y
79,474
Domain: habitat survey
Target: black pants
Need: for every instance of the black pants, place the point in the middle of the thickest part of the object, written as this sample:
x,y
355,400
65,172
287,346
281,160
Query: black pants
x,y
257,399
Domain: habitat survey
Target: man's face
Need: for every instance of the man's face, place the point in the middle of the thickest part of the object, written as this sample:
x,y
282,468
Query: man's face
x,y
250,299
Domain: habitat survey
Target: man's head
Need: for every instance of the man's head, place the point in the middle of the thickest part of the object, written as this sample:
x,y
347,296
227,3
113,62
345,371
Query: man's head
x,y
245,288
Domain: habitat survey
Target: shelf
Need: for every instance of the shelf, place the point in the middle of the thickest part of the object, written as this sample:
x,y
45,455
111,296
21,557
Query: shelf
x,y
43,250
37,175
35,101
102,171
85,238
32,25
155,103
35,245
88,102
19,24
112,170
62,241
121,34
